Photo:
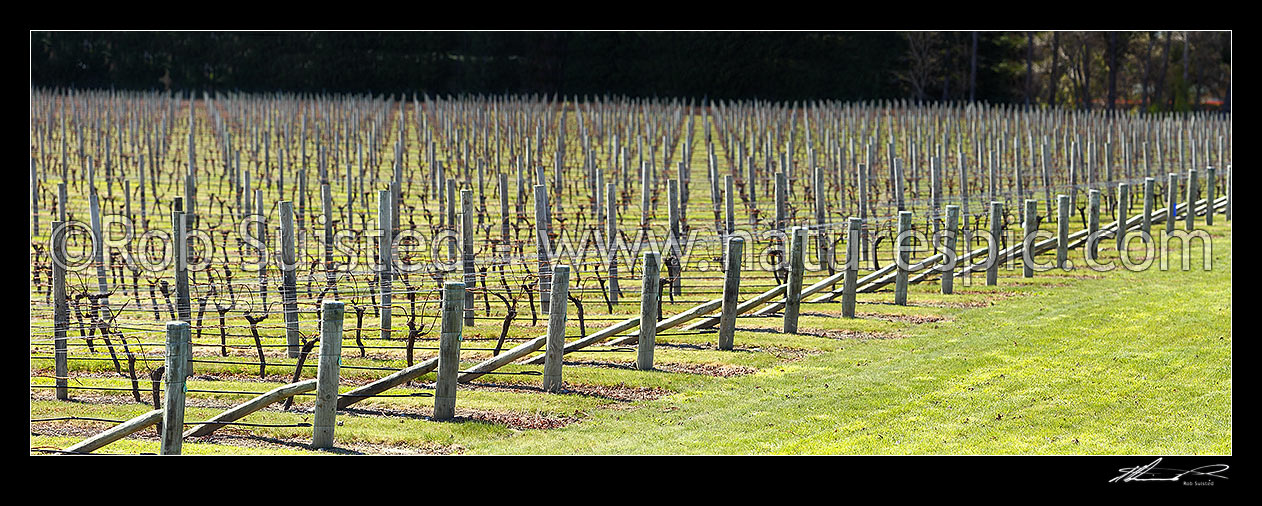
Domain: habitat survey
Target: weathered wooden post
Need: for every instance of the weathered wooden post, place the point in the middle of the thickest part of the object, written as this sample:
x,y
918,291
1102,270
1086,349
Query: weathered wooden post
x,y
1172,200
190,197
326,199
996,231
649,300
98,249
731,292
1210,182
948,267
793,293
328,374
1193,191
1028,229
302,211
1227,210
849,280
1123,199
61,312
177,356
1093,224
1149,185
902,247
61,201
900,189
289,277
451,218
179,249
385,259
554,354
466,240
263,241
35,197
1062,231
449,351
729,216
505,220
542,218
782,215
675,266
822,241
645,193
611,238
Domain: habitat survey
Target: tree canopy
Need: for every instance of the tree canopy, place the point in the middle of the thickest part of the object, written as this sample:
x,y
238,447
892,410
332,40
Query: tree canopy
x,y
1154,70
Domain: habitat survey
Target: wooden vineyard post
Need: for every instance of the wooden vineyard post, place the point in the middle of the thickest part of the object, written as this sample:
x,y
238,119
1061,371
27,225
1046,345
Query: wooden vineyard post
x,y
505,220
1172,200
751,184
674,267
782,216
326,199
611,237
449,351
793,293
554,354
542,217
1193,191
822,243
177,354
451,219
649,300
35,198
179,245
902,246
396,194
1210,181
179,249
61,312
645,194
1149,185
948,267
731,292
863,206
98,250
61,201
328,374
302,212
190,198
1123,198
1093,224
1227,211
1028,229
996,230
729,217
262,230
466,239
385,259
289,277
1062,231
849,281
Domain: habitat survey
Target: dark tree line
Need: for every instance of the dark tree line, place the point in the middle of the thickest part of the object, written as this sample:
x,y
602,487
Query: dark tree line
x,y
991,66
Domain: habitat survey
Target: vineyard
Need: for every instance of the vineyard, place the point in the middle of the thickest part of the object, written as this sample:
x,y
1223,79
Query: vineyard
x,y
377,274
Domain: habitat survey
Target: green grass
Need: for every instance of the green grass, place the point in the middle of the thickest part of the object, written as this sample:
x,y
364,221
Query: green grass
x,y
1078,363
1135,362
